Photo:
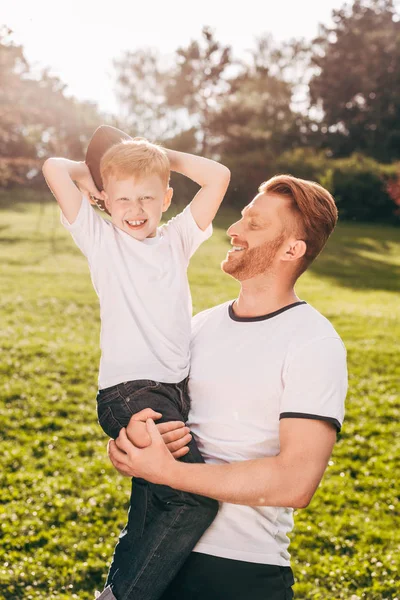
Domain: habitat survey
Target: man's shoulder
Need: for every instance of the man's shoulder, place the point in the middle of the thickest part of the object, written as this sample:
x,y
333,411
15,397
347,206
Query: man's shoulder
x,y
309,325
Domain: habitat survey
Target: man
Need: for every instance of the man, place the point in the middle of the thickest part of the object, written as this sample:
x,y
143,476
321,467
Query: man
x,y
268,382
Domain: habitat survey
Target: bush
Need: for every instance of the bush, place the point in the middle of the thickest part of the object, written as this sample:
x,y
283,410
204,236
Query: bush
x,y
358,184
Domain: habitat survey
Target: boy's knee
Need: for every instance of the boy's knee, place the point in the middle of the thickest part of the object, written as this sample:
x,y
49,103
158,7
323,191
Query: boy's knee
x,y
137,433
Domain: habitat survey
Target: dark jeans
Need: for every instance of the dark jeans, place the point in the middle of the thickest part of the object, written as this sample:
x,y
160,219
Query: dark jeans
x,y
205,577
163,524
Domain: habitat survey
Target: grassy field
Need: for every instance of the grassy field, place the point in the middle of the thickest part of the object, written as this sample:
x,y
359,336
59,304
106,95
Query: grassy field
x,y
61,503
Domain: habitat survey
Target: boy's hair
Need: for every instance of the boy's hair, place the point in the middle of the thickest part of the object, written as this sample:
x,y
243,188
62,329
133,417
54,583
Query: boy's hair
x,y
138,158
314,210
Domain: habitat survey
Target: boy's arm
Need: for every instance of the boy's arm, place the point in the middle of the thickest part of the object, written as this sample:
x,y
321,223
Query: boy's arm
x,y
212,176
60,174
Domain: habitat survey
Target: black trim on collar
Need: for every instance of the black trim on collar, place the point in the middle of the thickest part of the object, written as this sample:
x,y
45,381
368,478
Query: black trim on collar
x,y
296,415
263,317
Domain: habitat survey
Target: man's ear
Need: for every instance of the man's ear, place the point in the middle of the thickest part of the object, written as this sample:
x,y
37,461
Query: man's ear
x,y
295,250
167,199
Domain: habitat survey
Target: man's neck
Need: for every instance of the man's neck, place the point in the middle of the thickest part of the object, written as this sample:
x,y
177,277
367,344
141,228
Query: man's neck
x,y
258,297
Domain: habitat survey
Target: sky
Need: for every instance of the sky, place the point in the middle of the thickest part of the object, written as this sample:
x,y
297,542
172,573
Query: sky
x,y
78,39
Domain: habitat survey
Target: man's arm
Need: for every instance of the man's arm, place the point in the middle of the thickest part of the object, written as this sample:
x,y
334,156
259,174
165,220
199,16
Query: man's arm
x,y
60,174
288,479
210,175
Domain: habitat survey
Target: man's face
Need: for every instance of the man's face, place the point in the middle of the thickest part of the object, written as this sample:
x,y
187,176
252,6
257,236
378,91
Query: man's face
x,y
136,205
258,238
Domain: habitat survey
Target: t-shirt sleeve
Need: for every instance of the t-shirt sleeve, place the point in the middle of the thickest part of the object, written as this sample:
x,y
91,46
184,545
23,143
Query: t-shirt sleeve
x,y
315,382
189,233
87,229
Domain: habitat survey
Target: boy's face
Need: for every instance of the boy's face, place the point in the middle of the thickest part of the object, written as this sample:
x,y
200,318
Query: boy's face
x,y
136,205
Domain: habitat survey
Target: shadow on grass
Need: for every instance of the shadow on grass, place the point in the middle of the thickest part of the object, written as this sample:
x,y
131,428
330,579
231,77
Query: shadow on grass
x,y
345,258
19,199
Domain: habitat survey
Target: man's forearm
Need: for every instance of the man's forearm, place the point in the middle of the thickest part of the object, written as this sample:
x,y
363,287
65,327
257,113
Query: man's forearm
x,y
201,170
260,482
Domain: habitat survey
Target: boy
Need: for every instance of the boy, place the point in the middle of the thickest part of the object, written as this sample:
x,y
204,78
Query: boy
x,y
138,270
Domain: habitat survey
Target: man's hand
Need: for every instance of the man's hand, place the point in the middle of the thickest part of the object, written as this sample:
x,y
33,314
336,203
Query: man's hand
x,y
153,463
175,434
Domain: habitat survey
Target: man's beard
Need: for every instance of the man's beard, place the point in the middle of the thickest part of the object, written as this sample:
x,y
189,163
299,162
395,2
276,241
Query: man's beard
x,y
254,261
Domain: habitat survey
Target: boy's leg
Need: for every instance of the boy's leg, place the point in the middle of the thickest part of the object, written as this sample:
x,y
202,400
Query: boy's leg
x,y
150,551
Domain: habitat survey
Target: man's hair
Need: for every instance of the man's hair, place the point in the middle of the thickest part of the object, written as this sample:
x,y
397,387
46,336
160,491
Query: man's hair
x,y
314,210
135,158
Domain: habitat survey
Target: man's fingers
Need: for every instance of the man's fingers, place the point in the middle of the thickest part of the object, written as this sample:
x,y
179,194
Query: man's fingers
x,y
123,443
114,454
180,453
146,413
174,446
153,431
170,426
177,434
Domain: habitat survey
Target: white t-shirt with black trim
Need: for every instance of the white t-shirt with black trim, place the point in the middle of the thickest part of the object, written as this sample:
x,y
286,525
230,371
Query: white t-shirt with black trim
x,y
247,374
145,301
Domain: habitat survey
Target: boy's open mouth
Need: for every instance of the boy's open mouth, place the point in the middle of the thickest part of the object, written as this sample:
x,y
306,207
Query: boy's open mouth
x,y
139,224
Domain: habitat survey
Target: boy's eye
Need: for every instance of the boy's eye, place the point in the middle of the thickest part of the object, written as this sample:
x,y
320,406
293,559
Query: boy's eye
x,y
147,198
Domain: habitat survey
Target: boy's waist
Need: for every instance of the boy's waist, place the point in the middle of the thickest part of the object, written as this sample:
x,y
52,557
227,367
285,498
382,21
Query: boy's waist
x,y
109,376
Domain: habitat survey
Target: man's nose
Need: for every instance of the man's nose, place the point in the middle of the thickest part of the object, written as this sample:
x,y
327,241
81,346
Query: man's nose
x,y
233,230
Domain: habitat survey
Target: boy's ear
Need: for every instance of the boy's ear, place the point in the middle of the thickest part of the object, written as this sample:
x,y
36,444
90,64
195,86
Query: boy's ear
x,y
106,200
167,199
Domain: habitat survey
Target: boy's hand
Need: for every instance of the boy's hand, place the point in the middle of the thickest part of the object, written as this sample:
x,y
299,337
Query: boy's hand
x,y
86,184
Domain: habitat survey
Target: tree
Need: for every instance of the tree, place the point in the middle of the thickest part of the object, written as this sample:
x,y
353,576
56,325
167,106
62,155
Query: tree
x,y
357,84
36,117
141,89
257,112
198,82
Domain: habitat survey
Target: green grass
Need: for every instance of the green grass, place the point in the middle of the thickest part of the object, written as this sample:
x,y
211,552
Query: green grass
x,y
61,503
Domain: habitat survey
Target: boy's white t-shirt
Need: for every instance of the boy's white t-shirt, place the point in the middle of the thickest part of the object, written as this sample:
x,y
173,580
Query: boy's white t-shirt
x,y
246,375
145,301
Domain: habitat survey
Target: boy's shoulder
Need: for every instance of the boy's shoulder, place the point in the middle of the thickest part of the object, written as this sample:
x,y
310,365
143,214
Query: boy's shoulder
x,y
176,222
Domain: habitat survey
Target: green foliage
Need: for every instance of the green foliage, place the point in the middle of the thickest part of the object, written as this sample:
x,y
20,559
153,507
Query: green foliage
x,y
198,81
37,119
61,503
357,80
359,184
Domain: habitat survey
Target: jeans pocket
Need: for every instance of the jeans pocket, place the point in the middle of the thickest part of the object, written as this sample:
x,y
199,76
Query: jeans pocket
x,y
107,395
133,389
108,422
